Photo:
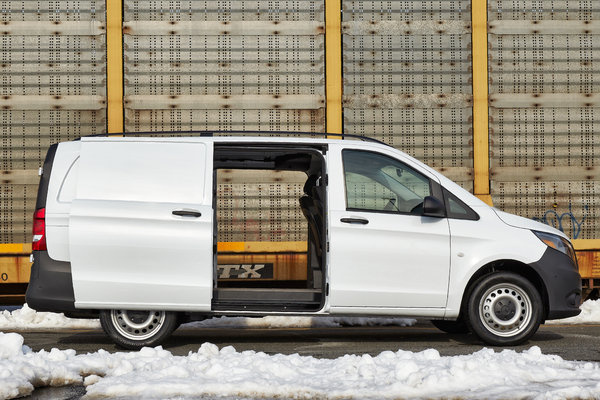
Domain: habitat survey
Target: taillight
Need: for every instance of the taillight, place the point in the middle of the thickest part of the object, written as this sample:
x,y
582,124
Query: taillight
x,y
39,230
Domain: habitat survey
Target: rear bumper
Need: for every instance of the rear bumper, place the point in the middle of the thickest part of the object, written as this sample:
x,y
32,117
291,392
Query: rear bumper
x,y
51,286
562,282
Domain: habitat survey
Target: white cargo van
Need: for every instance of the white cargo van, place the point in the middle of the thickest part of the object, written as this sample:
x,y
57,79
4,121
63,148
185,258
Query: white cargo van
x,y
125,229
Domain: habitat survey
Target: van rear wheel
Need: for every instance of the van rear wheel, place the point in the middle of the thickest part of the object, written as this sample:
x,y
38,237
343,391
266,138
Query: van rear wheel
x,y
134,329
504,309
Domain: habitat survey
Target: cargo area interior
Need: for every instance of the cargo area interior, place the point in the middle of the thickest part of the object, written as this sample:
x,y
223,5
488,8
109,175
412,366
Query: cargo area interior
x,y
270,231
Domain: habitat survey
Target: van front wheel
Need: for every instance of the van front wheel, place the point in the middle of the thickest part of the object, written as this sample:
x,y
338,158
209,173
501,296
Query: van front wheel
x,y
134,329
504,309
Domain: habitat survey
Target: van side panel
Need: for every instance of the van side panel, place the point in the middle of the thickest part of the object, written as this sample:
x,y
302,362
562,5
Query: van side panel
x,y
477,243
128,249
58,204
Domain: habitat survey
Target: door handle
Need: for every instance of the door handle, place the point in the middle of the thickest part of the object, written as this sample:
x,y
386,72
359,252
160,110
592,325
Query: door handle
x,y
361,221
186,213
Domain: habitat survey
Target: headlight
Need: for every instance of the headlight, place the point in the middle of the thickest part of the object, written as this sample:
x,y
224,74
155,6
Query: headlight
x,y
558,243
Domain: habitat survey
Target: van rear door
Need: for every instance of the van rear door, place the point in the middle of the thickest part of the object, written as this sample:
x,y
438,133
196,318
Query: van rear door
x,y
141,225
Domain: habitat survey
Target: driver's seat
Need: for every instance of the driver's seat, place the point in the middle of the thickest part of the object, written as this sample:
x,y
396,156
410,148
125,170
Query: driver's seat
x,y
311,213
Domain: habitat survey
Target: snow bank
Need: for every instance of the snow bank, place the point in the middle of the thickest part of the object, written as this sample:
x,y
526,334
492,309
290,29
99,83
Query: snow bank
x,y
590,314
27,318
156,373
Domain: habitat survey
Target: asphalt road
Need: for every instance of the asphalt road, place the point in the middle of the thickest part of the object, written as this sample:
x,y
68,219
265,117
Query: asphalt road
x,y
571,342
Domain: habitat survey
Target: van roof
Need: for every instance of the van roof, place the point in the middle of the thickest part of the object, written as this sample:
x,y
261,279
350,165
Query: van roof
x,y
240,136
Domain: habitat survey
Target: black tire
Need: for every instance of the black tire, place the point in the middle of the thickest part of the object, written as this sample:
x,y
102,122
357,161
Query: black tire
x,y
504,309
459,326
134,329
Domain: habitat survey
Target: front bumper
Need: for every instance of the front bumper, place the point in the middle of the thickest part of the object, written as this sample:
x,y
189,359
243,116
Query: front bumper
x,y
562,282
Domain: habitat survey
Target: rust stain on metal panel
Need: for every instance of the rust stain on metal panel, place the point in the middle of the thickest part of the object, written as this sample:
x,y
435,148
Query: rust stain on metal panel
x,y
589,263
14,269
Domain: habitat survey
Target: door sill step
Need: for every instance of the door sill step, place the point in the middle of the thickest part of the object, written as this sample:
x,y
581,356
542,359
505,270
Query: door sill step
x,y
255,299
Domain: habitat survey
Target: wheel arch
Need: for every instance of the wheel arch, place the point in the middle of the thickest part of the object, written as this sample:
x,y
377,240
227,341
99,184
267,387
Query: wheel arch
x,y
514,266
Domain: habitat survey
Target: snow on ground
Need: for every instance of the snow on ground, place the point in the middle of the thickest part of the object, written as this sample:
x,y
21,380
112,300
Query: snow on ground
x,y
156,373
297,322
590,314
26,318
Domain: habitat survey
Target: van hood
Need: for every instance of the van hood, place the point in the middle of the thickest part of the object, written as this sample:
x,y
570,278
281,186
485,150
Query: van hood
x,y
526,223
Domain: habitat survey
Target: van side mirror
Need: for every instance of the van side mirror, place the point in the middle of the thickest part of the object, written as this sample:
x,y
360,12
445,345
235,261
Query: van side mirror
x,y
433,207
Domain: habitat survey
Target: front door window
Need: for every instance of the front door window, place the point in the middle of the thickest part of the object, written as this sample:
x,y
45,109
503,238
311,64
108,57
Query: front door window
x,y
375,182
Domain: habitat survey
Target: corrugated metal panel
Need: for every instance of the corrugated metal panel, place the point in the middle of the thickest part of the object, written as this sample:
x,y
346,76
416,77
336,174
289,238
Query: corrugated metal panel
x,y
572,205
560,10
544,136
258,120
257,206
260,64
544,110
407,78
16,208
230,65
52,88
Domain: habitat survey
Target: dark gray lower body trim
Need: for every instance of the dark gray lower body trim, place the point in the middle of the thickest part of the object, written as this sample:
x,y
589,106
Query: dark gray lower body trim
x,y
563,284
51,287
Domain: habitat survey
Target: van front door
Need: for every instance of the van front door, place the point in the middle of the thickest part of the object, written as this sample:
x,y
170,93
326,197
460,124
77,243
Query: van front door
x,y
385,255
141,225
